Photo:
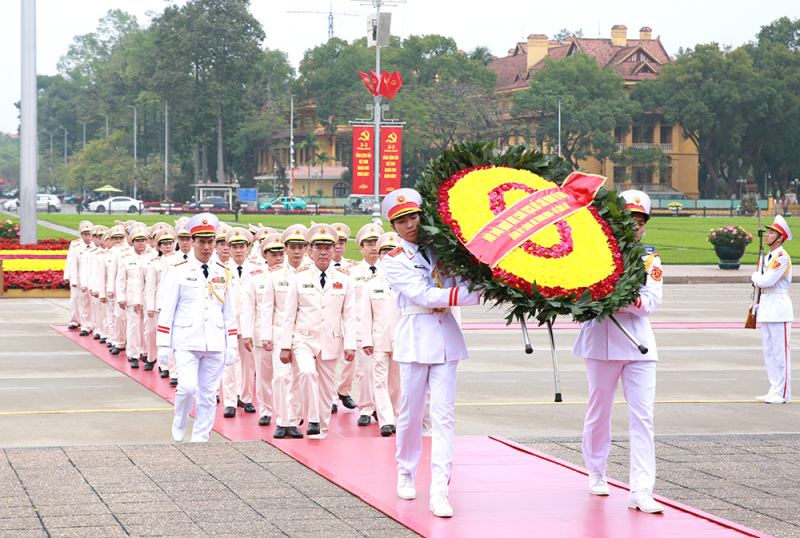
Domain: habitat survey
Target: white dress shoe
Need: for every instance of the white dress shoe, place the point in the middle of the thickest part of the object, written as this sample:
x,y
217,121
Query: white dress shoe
x,y
440,506
178,433
405,487
644,501
597,484
775,399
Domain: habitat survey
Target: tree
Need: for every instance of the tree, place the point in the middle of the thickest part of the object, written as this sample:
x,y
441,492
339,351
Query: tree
x,y
593,103
323,159
310,144
102,162
708,92
564,34
481,54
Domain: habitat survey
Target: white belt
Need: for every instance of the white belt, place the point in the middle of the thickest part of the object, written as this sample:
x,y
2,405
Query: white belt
x,y
783,291
414,310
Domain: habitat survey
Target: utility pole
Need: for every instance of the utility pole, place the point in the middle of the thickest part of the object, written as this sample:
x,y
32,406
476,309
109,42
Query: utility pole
x,y
135,137
83,181
51,150
65,143
291,144
166,149
106,117
28,115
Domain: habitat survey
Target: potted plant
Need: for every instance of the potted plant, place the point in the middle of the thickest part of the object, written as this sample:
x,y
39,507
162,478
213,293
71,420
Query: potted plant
x,y
729,244
675,207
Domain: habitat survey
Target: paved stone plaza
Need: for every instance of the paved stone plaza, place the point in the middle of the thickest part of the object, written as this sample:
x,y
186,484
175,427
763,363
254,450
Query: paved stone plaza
x,y
86,451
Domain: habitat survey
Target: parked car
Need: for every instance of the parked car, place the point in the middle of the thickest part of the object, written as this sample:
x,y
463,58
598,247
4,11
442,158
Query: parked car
x,y
71,199
218,201
48,202
117,203
11,204
291,203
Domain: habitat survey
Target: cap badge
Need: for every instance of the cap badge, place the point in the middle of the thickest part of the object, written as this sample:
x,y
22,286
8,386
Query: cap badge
x,y
637,200
401,199
205,222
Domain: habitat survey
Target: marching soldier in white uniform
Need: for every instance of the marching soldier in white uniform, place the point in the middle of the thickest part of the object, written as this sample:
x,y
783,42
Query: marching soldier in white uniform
x,y
379,317
198,322
775,312
82,261
428,346
348,371
129,292
71,275
610,356
153,280
319,326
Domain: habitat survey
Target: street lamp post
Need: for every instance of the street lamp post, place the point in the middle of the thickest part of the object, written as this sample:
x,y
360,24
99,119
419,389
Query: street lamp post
x,y
51,150
741,181
84,147
65,143
106,117
135,136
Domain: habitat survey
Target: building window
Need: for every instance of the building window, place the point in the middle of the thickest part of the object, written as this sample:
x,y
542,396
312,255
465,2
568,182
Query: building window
x,y
666,173
642,134
643,174
341,189
344,150
619,138
666,134
619,174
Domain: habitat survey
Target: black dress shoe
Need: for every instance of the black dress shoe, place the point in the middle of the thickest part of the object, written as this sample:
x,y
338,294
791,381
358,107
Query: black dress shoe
x,y
265,420
72,327
313,428
96,336
102,340
347,401
375,415
217,398
115,350
239,402
84,333
334,409
363,420
279,433
148,365
134,362
394,429
229,412
109,344
173,382
293,432
302,420
249,408
164,374
386,431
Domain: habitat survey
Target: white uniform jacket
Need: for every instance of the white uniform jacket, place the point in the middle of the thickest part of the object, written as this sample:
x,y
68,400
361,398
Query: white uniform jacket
x,y
116,251
71,266
322,319
430,338
379,313
197,313
252,294
359,273
605,341
775,305
130,278
276,288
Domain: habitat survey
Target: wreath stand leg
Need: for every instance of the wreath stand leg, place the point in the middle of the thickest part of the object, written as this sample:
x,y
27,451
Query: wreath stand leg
x,y
642,349
556,375
528,348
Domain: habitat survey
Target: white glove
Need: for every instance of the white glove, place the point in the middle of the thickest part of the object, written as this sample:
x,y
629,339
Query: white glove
x,y
164,356
231,356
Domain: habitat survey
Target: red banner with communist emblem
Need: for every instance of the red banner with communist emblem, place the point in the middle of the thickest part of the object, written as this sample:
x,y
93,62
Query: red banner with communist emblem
x,y
518,223
363,159
391,158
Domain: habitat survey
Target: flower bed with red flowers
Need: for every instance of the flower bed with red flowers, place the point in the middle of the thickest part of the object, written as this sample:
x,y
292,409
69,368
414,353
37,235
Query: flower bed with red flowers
x,y
42,244
34,280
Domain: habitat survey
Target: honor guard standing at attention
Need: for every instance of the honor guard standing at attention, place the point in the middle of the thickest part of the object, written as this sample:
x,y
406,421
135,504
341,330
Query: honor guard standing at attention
x,y
286,395
254,297
610,356
198,322
319,326
428,346
153,279
367,239
71,275
238,240
775,312
129,291
379,317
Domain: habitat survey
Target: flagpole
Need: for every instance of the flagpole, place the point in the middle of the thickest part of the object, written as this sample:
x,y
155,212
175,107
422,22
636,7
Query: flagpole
x,y
376,155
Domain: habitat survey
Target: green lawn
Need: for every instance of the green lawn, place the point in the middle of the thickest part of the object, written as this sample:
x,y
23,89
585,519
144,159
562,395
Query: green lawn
x,y
678,240
41,231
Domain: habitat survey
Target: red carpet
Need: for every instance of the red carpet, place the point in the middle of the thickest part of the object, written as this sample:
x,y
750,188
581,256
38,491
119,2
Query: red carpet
x,y
498,488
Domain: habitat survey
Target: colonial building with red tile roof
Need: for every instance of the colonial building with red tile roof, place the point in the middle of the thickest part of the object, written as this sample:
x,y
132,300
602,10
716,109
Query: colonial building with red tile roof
x,y
634,60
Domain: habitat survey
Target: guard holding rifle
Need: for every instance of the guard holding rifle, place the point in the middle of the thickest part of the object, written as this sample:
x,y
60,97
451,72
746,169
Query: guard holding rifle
x,y
775,312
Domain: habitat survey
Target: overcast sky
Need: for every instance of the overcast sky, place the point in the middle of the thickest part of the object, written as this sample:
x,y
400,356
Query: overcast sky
x,y
498,25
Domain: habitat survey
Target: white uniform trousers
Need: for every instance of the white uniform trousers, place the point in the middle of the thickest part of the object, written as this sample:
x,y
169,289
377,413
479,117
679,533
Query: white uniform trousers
x,y
246,376
639,388
776,336
263,364
120,326
386,383
110,319
415,380
97,318
149,347
199,378
230,384
133,335
345,379
366,387
74,309
283,381
85,307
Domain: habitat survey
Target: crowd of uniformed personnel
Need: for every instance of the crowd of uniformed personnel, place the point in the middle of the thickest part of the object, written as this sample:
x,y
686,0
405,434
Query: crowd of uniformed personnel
x,y
302,309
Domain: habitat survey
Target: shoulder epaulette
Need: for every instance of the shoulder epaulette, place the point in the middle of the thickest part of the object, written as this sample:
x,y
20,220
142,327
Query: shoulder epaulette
x,y
223,266
395,252
275,268
370,277
256,272
179,263
343,270
154,258
303,268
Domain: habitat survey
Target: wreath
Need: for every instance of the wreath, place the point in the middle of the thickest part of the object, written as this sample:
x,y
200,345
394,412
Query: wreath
x,y
586,265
